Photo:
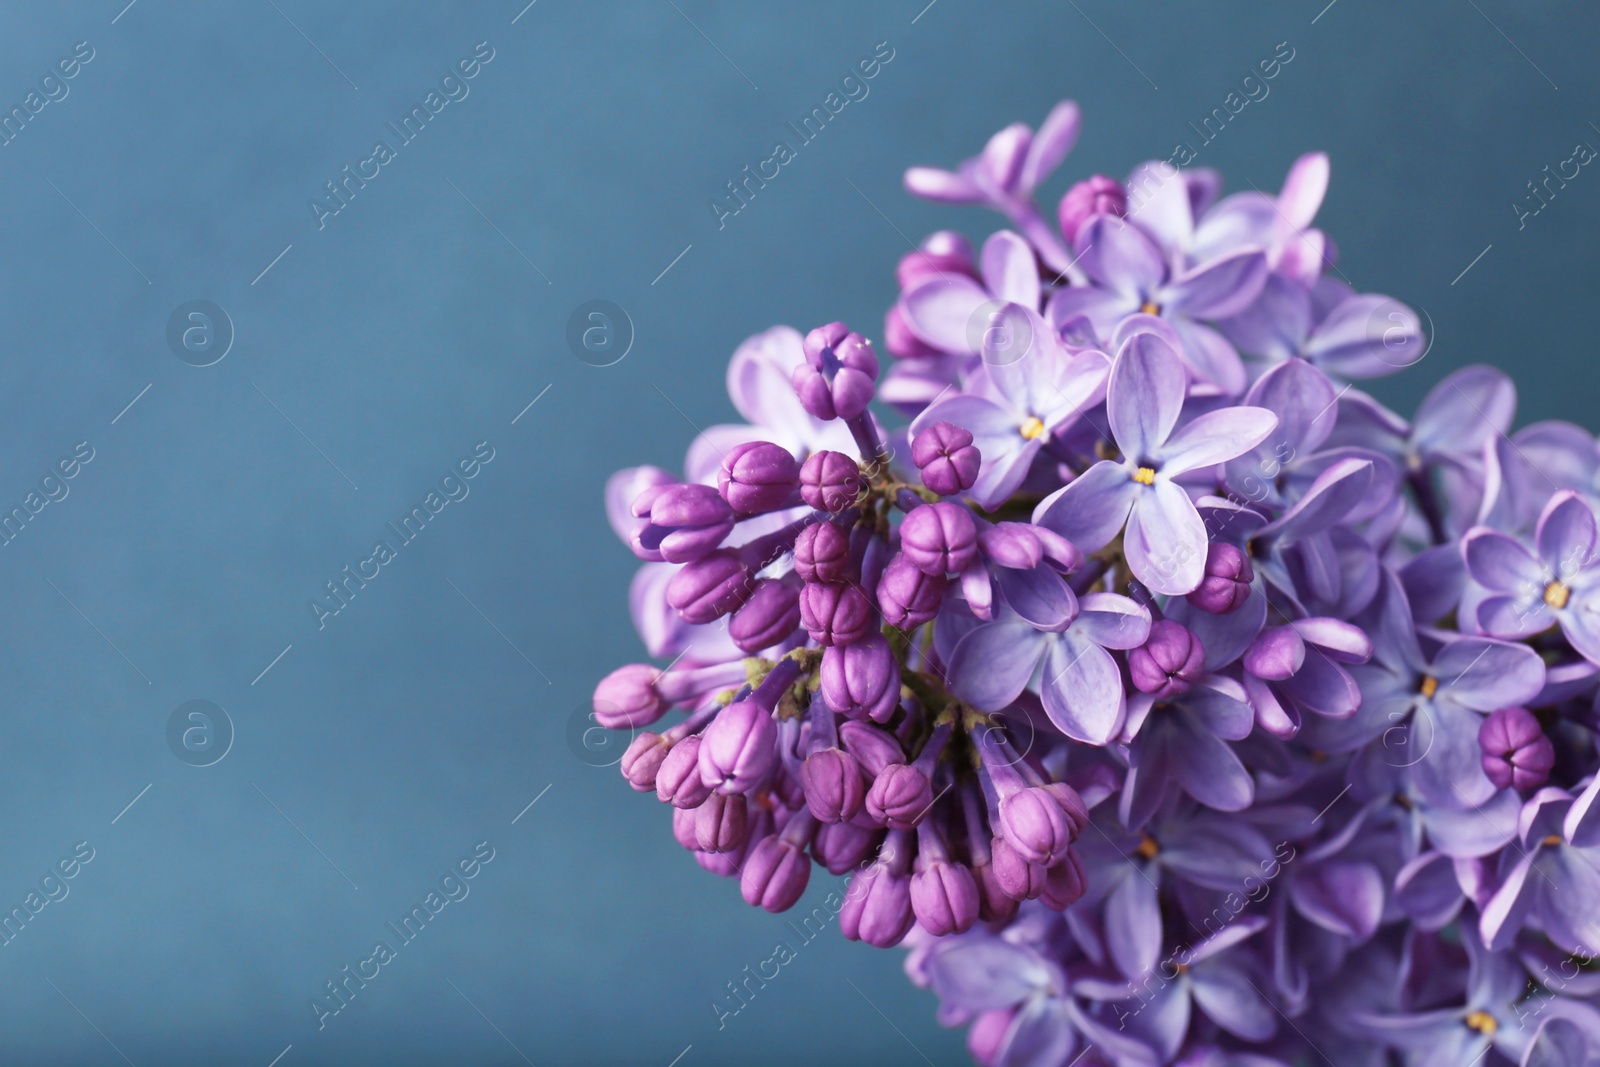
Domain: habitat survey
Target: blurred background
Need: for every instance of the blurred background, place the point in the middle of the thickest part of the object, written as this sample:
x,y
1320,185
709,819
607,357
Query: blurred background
x,y
344,361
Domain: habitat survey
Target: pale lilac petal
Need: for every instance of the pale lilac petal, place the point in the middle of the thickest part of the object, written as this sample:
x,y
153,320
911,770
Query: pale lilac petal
x,y
1568,913
1040,1036
1343,896
1011,270
1484,674
1159,201
1210,772
1145,395
1275,326
1040,596
621,490
1216,437
1304,401
1054,140
1223,287
1464,410
1303,189
1367,336
1342,641
1234,1003
1511,617
944,310
1113,621
1428,891
1582,825
1566,534
992,665
1449,772
1221,705
1103,308
1558,1043
942,186
1120,256
1500,563
984,974
1082,689
1330,498
1165,540
1001,160
1211,359
1091,509
1133,925
759,382
1474,832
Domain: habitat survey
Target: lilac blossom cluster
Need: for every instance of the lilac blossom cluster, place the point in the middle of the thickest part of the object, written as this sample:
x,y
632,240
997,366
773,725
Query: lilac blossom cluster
x,y
1173,701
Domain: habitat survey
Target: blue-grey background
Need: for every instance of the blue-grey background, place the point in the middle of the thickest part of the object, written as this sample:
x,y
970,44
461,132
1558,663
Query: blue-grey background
x,y
422,320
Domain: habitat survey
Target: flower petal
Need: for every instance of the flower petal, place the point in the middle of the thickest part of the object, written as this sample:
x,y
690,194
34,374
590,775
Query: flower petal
x,y
1165,542
1054,140
1223,287
1120,256
992,665
943,310
1011,270
1216,437
1091,509
1082,689
1500,563
1566,534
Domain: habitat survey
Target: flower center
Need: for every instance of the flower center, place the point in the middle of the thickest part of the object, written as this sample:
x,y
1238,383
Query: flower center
x,y
1482,1022
1150,307
1145,476
1032,428
1429,686
1553,840
1148,848
1556,594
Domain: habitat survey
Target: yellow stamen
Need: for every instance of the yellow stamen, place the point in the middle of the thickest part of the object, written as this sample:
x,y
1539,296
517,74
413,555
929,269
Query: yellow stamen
x,y
1429,686
1148,848
1032,427
1482,1022
1556,594
1150,308
1145,476
1553,840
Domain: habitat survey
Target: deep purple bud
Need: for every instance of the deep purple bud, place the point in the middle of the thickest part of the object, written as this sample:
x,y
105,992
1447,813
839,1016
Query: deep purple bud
x,y
900,796
678,780
861,680
1034,823
995,904
1168,663
843,846
1276,654
770,615
740,747
830,481
835,787
709,588
627,698
875,749
942,253
686,522
877,907
1072,805
1516,752
722,823
776,871
642,760
1064,883
822,552
907,596
1227,582
945,455
944,897
757,476
834,613
1012,544
940,538
840,374
1016,877
1095,195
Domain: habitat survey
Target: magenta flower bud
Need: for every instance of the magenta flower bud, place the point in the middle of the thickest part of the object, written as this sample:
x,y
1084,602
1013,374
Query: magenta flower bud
x,y
901,340
686,522
770,616
683,828
986,1036
1016,876
907,596
1226,585
873,748
1095,195
1072,805
757,476
940,538
627,698
900,796
1168,663
994,903
834,613
861,681
709,588
1064,884
1516,752
642,760
777,869
945,455
1276,654
678,780
944,897
844,846
1034,823
835,787
1013,544
722,823
822,552
840,374
830,481
877,907
942,253
740,747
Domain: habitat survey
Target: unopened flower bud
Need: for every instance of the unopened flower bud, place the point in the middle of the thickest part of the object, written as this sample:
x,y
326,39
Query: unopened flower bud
x,y
875,749
835,787
940,538
830,481
740,747
1034,823
642,760
709,588
843,846
776,871
944,897
1016,876
840,374
945,455
757,476
1516,752
861,681
770,615
877,908
1226,585
686,523
678,780
1064,884
900,796
834,613
822,552
627,698
908,596
722,823
1095,195
1169,661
